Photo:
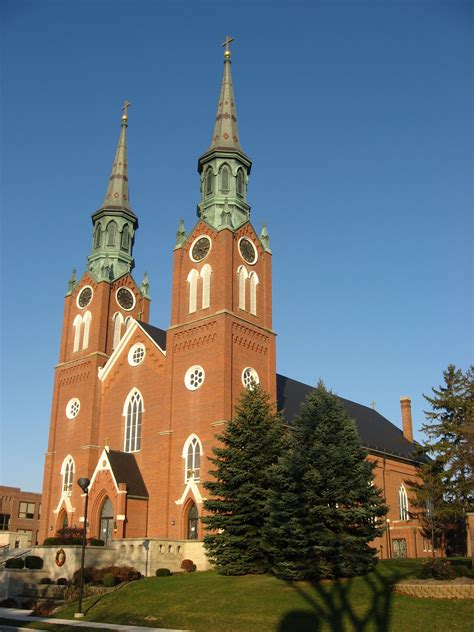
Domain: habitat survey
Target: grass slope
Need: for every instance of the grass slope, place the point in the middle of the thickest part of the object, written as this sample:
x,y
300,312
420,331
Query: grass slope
x,y
206,601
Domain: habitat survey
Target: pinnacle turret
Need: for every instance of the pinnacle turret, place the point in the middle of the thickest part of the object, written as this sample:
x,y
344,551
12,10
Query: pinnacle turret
x,y
115,222
225,168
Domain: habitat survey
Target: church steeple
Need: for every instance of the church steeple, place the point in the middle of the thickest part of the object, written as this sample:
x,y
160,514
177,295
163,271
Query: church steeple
x,y
225,168
115,222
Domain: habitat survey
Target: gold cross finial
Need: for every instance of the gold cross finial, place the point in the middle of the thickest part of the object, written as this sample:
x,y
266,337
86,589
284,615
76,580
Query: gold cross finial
x,y
125,107
228,40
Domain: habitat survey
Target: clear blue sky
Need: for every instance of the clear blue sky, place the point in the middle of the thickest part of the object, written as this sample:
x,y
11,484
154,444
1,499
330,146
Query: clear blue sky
x,y
357,116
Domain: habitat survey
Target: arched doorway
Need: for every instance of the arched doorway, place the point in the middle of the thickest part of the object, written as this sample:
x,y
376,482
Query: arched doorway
x,y
193,518
106,521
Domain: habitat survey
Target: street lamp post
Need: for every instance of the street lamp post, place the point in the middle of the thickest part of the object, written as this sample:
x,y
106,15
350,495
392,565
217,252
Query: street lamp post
x,y
84,485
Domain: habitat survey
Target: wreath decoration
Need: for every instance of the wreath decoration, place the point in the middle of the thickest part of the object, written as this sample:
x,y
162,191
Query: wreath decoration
x,y
60,557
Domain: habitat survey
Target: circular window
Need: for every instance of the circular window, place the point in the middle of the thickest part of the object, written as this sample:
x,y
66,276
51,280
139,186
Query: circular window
x,y
125,298
84,297
136,354
249,377
200,248
247,250
194,377
72,408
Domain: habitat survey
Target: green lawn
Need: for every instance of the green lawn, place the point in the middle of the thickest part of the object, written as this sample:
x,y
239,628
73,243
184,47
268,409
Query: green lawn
x,y
208,602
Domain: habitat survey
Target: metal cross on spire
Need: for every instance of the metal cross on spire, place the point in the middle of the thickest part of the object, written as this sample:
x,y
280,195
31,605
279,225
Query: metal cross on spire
x,y
227,42
125,106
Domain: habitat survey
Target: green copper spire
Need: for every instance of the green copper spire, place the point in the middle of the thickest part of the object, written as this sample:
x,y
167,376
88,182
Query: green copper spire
x,y
115,222
226,135
224,168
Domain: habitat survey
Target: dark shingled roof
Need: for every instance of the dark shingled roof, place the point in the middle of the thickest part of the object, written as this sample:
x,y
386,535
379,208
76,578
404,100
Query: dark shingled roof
x,y
125,469
376,432
158,335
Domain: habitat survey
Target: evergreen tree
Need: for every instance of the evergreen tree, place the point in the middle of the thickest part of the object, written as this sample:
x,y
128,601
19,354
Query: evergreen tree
x,y
449,442
323,508
428,503
250,447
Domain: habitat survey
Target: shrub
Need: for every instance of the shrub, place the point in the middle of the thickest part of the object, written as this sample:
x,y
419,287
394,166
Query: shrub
x,y
52,541
33,562
89,573
15,562
163,572
188,565
8,603
462,562
95,542
44,608
62,581
45,580
462,571
437,568
109,580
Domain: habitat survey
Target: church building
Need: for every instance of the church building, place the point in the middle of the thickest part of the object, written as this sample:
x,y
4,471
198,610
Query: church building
x,y
136,408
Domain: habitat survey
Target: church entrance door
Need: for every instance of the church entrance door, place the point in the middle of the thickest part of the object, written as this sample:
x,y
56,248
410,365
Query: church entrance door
x,y
106,521
193,518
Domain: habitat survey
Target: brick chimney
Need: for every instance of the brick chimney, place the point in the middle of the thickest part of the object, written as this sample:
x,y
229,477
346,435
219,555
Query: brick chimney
x,y
405,403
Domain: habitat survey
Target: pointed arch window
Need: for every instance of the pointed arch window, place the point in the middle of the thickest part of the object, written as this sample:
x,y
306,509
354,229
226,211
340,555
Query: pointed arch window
x,y
193,277
125,239
224,178
243,276
77,324
68,474
118,322
240,183
403,503
209,181
206,285
192,454
87,326
133,410
253,292
193,519
111,233
98,236
128,322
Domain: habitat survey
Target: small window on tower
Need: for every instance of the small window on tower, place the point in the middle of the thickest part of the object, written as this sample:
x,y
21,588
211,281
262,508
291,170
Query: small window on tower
x,y
250,378
111,232
72,408
194,377
125,243
240,183
209,181
224,178
98,236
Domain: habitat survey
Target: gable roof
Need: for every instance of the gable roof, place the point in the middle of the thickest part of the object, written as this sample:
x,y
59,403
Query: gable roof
x,y
125,470
157,334
376,432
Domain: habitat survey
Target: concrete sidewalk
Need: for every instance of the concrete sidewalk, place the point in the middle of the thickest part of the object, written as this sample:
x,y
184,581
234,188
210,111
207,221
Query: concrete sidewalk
x,y
18,615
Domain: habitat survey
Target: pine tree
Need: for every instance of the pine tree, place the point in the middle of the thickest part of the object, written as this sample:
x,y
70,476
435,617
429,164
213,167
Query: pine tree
x,y
428,503
323,508
449,441
250,447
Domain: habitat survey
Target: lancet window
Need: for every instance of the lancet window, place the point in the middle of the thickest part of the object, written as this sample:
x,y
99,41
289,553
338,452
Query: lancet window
x,y
125,239
133,410
403,503
111,233
77,324
68,474
224,178
192,454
